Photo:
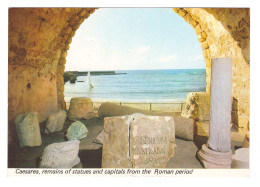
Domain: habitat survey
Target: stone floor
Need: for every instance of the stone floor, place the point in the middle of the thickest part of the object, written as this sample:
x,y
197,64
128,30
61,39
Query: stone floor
x,y
91,153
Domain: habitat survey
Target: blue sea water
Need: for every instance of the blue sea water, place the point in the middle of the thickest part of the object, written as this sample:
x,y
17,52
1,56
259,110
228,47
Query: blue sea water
x,y
156,86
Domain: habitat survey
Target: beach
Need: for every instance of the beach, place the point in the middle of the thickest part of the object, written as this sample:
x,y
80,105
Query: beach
x,y
152,90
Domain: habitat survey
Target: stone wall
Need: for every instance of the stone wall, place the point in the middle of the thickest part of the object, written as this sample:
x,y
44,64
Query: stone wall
x,y
39,39
225,33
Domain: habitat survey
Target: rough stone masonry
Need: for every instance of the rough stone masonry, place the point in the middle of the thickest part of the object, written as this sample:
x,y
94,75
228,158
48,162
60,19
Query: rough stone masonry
x,y
138,141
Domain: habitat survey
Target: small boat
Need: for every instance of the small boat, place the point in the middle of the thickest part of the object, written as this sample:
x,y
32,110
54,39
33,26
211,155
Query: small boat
x,y
90,81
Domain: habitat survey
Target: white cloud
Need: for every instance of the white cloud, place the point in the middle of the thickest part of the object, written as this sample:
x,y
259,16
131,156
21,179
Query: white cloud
x,y
169,58
142,50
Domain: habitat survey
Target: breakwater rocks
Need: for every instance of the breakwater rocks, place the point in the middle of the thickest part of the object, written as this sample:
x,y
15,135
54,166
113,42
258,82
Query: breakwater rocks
x,y
72,75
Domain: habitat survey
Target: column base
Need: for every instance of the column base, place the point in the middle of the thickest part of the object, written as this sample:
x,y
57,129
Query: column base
x,y
213,159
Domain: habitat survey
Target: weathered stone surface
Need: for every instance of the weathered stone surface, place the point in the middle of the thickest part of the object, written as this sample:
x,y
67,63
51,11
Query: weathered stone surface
x,y
28,129
202,128
56,121
61,155
77,131
220,105
241,158
214,159
111,109
80,108
184,128
115,152
246,141
151,141
138,141
197,106
217,153
100,138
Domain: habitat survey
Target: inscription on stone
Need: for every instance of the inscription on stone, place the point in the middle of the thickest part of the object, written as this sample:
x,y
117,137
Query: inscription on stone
x,y
151,141
143,145
148,141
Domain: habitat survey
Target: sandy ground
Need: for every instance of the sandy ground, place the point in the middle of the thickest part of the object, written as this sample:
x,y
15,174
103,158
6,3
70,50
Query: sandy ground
x,y
156,107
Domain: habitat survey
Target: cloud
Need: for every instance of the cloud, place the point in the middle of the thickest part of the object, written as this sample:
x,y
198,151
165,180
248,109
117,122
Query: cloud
x,y
196,57
169,58
142,50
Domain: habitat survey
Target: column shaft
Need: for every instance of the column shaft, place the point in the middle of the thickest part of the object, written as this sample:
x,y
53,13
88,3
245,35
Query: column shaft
x,y
220,105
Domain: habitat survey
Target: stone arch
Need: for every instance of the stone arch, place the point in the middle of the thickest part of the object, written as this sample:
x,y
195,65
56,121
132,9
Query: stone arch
x,y
40,37
226,33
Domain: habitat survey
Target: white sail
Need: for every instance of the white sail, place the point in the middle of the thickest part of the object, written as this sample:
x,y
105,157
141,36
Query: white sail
x,y
90,81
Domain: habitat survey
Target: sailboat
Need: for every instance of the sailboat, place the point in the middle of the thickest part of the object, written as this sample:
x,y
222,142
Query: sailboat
x,y
89,80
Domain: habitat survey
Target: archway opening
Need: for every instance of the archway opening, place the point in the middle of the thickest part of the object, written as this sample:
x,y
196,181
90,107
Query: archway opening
x,y
154,53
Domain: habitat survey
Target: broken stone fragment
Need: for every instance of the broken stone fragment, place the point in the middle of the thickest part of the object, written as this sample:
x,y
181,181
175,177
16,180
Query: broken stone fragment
x,y
138,141
112,109
77,131
61,155
56,121
197,106
80,108
184,128
100,138
28,129
241,158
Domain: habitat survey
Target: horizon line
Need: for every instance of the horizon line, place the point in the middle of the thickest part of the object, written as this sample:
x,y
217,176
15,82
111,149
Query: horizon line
x,y
137,69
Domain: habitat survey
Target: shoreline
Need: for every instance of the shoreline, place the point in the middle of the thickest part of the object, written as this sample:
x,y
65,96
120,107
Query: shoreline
x,y
152,106
67,100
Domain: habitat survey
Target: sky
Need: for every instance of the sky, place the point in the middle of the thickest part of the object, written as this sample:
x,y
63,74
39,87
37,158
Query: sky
x,y
134,39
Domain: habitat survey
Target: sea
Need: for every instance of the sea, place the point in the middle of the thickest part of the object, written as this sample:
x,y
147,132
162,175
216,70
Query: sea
x,y
139,86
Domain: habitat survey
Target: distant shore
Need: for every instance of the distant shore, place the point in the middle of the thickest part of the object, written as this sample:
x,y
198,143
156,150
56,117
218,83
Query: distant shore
x,y
85,73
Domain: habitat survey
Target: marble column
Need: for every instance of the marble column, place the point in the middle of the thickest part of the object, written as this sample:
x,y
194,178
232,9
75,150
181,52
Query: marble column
x,y
217,153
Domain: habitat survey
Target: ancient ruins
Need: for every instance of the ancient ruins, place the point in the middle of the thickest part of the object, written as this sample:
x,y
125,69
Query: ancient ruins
x,y
38,41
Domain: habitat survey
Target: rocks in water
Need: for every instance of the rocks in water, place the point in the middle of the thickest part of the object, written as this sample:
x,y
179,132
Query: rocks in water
x,y
61,155
77,131
197,106
241,158
138,141
28,129
69,77
56,121
80,108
